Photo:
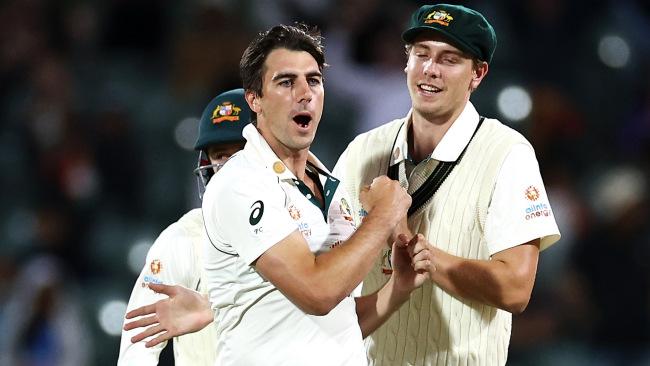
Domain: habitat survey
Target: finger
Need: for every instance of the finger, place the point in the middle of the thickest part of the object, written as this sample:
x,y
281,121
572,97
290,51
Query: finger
x,y
144,322
164,337
143,310
147,333
421,253
423,266
160,288
403,239
416,239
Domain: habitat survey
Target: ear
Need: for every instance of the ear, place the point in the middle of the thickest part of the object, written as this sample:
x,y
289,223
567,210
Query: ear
x,y
253,101
478,73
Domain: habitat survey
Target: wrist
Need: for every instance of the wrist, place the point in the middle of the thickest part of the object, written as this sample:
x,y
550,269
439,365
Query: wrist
x,y
399,293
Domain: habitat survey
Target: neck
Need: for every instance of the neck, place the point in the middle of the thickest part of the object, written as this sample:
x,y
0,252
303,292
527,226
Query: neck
x,y
294,160
296,163
427,131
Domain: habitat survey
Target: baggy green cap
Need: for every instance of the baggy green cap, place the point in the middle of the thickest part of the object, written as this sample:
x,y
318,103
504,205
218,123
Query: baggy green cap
x,y
466,28
223,120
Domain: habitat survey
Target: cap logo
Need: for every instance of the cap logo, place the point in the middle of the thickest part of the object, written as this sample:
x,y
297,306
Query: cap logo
x,y
225,111
438,16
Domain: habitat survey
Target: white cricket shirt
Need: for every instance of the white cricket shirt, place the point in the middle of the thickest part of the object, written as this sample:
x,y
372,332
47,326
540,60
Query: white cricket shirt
x,y
175,258
253,204
494,199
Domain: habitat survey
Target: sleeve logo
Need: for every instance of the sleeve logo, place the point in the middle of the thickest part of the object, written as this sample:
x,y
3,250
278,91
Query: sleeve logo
x,y
256,214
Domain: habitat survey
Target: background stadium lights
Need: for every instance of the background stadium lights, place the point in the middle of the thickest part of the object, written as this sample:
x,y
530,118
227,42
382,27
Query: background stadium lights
x,y
614,51
111,317
514,103
138,254
186,132
617,190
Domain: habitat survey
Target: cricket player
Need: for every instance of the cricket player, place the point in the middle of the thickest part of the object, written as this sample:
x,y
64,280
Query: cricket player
x,y
479,203
176,256
284,253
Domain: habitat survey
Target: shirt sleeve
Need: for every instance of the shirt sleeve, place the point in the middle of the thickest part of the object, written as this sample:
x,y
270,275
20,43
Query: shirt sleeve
x,y
169,261
249,217
519,210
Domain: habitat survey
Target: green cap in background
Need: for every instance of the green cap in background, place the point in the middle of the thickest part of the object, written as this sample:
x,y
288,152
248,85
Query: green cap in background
x,y
223,120
467,29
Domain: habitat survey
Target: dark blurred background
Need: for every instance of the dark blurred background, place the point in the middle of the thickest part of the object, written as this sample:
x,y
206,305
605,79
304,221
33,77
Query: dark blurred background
x,y
99,106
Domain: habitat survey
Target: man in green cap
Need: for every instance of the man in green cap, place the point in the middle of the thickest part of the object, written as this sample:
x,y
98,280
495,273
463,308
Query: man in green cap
x,y
175,258
479,208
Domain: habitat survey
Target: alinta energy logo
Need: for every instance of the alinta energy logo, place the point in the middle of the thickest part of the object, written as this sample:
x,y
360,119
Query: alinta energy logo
x,y
535,209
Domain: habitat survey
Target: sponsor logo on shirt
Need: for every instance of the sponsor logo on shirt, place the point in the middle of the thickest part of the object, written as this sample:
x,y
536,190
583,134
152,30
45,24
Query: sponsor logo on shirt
x,y
362,214
294,212
156,266
536,209
532,193
151,279
305,230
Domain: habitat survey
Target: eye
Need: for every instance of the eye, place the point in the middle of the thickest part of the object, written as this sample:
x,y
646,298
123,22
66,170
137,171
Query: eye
x,y
314,81
450,60
286,82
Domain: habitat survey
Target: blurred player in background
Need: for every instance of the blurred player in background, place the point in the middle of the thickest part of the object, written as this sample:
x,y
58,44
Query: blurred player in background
x,y
176,256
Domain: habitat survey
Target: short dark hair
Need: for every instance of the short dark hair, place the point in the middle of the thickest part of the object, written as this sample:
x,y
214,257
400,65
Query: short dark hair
x,y
295,38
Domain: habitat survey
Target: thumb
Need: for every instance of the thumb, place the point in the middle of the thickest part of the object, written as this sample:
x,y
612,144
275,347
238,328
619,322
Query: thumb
x,y
402,240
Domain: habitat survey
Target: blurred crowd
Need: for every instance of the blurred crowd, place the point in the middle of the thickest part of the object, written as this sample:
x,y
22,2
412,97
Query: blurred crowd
x,y
100,101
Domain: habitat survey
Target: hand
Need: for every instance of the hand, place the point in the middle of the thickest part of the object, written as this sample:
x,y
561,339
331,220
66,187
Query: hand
x,y
409,273
421,253
401,228
185,311
385,196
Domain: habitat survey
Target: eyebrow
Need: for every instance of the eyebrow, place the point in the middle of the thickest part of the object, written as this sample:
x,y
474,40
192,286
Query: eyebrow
x,y
291,75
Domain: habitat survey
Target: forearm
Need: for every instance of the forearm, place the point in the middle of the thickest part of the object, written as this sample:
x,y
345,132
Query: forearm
x,y
374,309
500,283
344,267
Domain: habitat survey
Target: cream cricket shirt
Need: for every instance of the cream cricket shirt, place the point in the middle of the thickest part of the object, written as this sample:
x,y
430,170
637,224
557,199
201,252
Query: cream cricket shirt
x,y
175,258
494,199
253,204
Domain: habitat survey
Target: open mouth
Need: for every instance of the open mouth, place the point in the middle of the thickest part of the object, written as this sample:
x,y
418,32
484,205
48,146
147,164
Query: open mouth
x,y
302,120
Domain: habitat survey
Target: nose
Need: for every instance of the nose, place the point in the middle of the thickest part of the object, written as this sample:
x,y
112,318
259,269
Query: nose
x,y
302,91
431,68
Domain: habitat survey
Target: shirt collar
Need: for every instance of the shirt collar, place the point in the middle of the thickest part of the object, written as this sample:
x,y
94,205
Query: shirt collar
x,y
452,143
257,147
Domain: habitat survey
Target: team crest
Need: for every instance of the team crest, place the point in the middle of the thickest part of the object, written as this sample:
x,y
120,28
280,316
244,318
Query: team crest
x,y
155,266
294,212
532,193
225,111
438,16
386,265
345,210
